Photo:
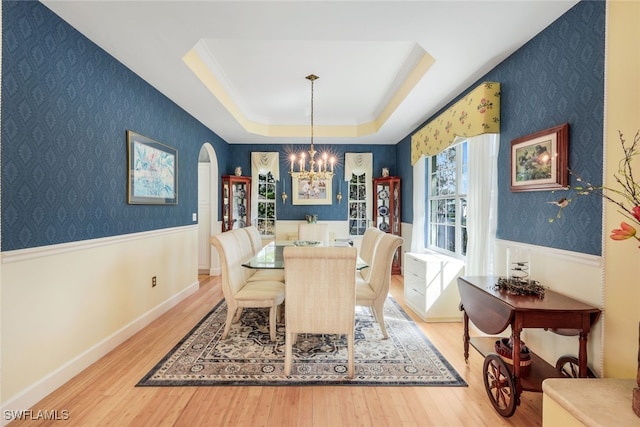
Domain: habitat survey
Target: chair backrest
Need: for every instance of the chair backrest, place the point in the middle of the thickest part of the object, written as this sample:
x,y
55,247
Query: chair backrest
x,y
256,239
234,275
320,289
319,232
370,241
380,275
244,242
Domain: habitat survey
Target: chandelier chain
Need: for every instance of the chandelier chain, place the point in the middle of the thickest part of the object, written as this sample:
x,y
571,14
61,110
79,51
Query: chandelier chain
x,y
312,80
321,171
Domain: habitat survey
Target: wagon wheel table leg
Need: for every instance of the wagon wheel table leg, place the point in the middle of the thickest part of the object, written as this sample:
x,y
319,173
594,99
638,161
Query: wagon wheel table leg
x,y
569,366
500,385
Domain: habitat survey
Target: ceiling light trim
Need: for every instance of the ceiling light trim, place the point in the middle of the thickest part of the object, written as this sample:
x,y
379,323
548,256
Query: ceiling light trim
x,y
202,69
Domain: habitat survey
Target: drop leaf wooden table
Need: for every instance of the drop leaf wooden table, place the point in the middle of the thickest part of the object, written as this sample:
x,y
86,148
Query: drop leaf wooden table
x,y
492,310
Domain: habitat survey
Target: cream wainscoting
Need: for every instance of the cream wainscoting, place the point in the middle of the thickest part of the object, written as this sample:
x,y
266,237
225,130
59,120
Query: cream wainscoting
x,y
65,306
574,274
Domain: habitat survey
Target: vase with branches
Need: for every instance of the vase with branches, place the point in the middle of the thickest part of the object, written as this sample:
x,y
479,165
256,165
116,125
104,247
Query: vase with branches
x,y
625,194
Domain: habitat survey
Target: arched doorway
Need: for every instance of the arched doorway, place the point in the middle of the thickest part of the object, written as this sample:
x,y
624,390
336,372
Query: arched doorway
x,y
208,224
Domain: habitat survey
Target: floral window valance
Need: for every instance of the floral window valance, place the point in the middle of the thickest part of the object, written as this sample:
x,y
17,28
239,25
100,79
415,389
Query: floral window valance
x,y
477,113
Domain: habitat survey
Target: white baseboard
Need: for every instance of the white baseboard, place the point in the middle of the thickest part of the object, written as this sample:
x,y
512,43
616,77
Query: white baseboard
x,y
37,391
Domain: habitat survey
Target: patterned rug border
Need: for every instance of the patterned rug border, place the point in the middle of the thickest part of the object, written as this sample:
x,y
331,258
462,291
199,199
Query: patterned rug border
x,y
458,381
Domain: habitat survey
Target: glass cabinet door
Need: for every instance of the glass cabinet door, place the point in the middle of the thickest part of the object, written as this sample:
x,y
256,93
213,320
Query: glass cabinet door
x,y
236,194
386,210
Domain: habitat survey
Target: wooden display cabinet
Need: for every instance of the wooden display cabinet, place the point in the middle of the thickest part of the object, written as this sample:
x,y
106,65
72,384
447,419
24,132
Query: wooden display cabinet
x,y
236,205
386,210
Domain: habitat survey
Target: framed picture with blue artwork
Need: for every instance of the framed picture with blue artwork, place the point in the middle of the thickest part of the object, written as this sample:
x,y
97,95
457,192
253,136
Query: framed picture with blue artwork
x,y
153,171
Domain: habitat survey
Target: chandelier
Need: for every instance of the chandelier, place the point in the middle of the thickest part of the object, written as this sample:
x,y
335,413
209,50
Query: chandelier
x,y
319,169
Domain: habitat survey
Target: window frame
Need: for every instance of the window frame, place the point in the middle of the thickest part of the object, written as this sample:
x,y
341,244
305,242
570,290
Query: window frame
x,y
359,219
460,196
267,202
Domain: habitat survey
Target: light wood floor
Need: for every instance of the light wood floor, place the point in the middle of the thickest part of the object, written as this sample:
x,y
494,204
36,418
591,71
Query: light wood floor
x,y
105,393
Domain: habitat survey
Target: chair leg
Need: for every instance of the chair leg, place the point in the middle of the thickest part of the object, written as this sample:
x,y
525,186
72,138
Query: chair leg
x,y
272,322
280,315
227,323
378,313
350,344
288,352
238,314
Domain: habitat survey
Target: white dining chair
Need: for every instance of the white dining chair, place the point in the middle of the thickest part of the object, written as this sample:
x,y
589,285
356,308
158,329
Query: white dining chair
x,y
320,296
237,287
373,292
368,246
255,237
249,237
317,232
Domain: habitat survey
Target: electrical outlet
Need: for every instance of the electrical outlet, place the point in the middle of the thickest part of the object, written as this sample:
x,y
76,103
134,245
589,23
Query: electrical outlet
x,y
153,282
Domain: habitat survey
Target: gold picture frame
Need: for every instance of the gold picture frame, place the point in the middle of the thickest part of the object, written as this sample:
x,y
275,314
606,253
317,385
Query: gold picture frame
x,y
305,193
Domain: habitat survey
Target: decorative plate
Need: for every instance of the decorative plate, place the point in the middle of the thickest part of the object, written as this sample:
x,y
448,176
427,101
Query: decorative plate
x,y
383,195
383,210
384,226
307,243
240,193
242,210
238,224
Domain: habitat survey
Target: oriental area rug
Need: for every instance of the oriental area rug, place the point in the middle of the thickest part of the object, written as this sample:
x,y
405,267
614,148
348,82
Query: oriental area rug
x,y
249,358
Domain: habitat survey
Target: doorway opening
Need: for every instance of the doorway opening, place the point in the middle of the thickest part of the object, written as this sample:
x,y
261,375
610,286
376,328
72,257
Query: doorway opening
x,y
208,224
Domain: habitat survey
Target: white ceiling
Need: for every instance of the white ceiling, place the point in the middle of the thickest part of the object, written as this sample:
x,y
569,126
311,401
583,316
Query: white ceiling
x,y
384,66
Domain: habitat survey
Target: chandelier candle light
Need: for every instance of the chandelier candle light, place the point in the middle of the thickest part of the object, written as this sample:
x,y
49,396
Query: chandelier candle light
x,y
318,169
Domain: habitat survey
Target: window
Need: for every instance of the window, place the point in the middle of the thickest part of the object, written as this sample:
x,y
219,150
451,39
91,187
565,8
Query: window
x,y
357,204
266,204
447,202
358,171
265,172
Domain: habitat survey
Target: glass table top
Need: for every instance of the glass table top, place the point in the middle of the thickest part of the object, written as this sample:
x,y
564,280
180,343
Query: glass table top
x,y
271,256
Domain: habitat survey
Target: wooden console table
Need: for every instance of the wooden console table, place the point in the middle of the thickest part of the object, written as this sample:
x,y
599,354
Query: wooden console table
x,y
493,310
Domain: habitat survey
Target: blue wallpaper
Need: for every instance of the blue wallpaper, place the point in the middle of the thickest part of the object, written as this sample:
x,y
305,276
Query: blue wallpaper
x,y
383,156
557,77
66,106
403,157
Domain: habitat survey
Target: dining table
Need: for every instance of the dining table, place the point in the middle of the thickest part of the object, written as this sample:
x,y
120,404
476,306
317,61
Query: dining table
x,y
271,256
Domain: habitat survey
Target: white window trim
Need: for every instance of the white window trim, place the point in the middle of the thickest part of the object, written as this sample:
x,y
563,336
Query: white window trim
x,y
262,163
482,153
358,164
457,196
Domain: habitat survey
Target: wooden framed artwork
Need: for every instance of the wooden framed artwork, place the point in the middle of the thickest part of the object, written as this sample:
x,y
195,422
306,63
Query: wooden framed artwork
x,y
153,171
306,192
540,161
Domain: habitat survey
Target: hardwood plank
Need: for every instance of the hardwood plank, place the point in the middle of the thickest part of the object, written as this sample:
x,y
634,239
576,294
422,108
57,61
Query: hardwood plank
x,y
105,393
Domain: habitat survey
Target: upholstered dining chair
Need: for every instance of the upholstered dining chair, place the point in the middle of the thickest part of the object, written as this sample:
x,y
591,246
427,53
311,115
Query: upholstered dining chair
x,y
238,290
251,236
320,289
319,232
373,292
256,239
370,240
